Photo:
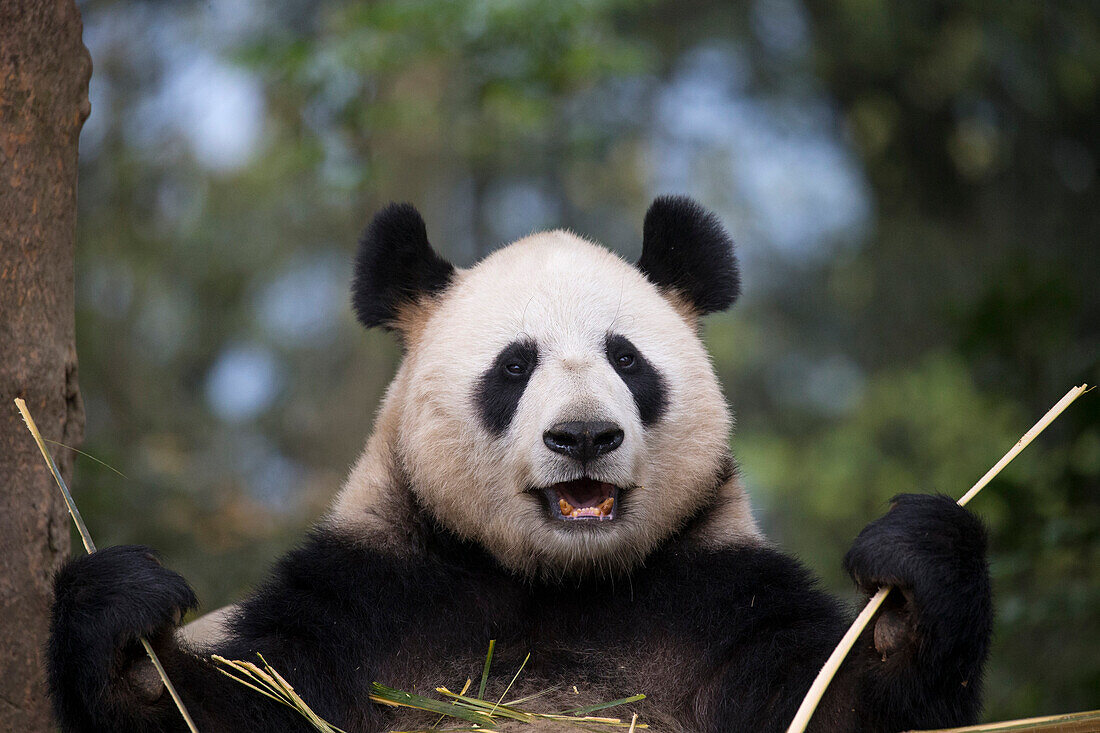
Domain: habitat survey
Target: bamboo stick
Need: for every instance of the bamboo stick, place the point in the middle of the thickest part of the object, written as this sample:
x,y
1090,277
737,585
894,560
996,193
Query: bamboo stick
x,y
832,664
1087,722
89,545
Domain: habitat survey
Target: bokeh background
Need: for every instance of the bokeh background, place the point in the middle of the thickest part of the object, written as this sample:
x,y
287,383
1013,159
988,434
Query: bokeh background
x,y
912,185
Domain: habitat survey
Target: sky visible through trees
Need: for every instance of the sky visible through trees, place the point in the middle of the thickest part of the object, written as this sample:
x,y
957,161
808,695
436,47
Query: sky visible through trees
x,y
912,186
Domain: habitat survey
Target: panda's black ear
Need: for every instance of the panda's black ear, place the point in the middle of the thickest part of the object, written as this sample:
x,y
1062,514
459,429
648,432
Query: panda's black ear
x,y
685,249
395,266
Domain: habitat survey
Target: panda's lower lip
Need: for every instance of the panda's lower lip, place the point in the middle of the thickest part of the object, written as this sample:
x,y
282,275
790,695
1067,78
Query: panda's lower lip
x,y
582,500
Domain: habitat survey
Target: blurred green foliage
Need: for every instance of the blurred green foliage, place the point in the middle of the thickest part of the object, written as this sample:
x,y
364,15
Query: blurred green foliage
x,y
924,287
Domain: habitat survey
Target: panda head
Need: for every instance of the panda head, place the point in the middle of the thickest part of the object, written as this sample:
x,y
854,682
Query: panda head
x,y
555,403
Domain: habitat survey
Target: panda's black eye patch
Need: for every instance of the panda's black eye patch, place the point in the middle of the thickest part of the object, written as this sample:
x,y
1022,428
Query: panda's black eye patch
x,y
501,386
642,378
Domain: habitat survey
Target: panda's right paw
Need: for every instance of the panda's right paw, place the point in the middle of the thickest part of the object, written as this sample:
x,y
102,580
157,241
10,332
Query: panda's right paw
x,y
104,603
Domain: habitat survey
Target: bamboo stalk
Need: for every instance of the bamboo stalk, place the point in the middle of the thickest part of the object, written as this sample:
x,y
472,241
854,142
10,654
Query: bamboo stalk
x,y
89,545
516,677
832,664
1087,722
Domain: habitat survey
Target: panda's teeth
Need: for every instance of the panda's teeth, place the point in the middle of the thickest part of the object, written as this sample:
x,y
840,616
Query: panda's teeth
x,y
605,507
566,507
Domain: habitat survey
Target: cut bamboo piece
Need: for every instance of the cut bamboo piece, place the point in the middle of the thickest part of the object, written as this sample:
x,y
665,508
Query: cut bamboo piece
x,y
1088,722
832,664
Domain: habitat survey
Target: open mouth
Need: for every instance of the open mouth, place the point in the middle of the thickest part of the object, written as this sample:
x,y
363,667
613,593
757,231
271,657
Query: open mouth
x,y
583,499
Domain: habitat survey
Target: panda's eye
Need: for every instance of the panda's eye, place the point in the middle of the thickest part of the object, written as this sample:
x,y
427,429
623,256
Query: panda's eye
x,y
516,368
625,360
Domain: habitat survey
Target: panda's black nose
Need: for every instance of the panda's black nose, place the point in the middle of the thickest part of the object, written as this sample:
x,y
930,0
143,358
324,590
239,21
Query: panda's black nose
x,y
583,440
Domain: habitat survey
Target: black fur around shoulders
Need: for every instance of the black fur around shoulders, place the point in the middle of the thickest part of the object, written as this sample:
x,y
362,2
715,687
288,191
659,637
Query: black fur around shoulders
x,y
685,248
718,639
395,265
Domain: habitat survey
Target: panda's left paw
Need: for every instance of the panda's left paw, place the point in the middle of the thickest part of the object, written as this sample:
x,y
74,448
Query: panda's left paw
x,y
933,552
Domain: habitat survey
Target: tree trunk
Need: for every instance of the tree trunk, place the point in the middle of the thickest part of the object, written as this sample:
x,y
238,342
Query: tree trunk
x,y
44,72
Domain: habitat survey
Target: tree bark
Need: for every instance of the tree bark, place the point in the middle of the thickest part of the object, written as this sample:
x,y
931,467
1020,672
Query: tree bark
x,y
44,72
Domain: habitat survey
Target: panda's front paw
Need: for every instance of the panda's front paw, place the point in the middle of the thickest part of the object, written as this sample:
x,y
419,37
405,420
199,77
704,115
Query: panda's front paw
x,y
104,604
933,552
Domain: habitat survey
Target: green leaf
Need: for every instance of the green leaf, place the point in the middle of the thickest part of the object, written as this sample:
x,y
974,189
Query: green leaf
x,y
389,696
485,669
593,708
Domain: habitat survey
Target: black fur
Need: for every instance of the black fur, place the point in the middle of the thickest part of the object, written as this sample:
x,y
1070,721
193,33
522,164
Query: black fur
x,y
395,266
725,640
645,382
685,249
938,620
499,390
103,604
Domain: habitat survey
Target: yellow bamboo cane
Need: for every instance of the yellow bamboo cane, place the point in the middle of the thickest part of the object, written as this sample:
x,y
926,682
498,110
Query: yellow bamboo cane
x,y
89,545
832,664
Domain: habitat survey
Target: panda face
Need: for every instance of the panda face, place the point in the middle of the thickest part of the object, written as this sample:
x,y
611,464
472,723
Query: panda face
x,y
559,408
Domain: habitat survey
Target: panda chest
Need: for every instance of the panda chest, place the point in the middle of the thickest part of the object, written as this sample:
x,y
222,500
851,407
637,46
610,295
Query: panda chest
x,y
568,647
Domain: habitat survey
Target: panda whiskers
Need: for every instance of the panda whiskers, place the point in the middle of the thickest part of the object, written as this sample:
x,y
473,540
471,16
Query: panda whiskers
x,y
618,306
523,315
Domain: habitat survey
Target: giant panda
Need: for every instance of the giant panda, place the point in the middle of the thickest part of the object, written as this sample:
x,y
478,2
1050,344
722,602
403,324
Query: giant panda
x,y
550,469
